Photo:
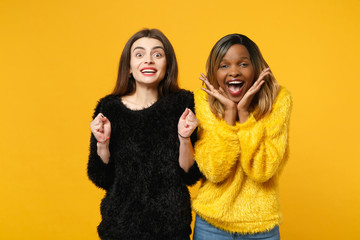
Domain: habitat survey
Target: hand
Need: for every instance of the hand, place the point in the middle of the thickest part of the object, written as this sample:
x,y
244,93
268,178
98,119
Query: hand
x,y
230,110
244,104
101,128
219,94
187,123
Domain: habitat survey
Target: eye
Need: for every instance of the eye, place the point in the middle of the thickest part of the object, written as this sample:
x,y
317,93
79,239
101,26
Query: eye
x,y
223,66
243,64
157,55
139,54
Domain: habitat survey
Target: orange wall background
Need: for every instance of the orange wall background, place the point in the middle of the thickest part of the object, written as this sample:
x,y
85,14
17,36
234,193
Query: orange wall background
x,y
57,58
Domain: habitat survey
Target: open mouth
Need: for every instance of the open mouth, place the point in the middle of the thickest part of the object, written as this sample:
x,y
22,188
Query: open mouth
x,y
148,71
235,87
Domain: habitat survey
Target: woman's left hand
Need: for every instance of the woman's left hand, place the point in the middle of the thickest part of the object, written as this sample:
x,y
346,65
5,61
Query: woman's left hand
x,y
244,104
187,124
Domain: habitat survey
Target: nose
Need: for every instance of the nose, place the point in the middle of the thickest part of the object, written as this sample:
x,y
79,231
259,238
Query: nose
x,y
148,59
234,71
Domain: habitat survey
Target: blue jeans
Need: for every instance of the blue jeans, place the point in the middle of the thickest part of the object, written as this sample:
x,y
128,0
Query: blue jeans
x,y
204,231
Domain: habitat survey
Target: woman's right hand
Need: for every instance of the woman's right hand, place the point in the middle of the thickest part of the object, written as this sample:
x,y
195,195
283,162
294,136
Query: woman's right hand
x,y
230,107
219,94
101,128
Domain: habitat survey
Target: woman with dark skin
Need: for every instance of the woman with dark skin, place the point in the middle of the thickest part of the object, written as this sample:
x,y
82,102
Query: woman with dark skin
x,y
242,144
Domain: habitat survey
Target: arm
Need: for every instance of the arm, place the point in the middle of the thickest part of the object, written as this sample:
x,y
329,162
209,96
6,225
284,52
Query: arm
x,y
100,173
218,148
217,151
100,168
186,126
264,143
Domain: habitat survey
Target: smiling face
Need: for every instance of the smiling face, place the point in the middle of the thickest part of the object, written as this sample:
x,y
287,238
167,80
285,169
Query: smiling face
x,y
235,74
148,62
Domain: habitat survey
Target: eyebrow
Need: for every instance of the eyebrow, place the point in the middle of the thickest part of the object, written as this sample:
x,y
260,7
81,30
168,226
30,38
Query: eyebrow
x,y
240,58
156,47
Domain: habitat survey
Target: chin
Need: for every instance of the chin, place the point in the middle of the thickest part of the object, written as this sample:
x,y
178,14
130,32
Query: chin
x,y
235,99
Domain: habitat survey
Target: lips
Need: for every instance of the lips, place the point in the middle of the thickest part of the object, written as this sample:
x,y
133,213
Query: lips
x,y
235,86
148,71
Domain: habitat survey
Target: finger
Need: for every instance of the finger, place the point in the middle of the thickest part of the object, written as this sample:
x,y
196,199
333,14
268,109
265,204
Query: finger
x,y
95,125
184,114
255,88
107,130
203,75
191,113
208,91
265,72
260,79
99,116
192,123
221,90
208,84
258,86
191,116
104,119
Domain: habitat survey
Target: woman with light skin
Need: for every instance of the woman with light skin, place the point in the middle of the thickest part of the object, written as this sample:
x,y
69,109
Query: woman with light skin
x,y
242,144
141,148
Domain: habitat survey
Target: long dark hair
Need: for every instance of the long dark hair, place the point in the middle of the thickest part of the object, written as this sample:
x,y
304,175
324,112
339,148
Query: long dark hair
x,y
263,100
125,83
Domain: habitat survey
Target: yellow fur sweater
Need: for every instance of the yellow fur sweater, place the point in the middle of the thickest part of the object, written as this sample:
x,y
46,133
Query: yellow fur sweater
x,y
241,165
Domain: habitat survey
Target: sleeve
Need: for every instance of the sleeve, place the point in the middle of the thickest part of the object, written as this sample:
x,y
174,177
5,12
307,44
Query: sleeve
x,y
264,143
101,174
217,149
194,174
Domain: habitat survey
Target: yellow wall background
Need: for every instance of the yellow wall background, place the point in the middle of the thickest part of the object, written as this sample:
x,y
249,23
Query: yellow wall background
x,y
57,58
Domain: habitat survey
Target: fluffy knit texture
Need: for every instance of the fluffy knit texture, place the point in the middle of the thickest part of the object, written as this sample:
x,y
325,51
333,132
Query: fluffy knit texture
x,y
146,194
241,165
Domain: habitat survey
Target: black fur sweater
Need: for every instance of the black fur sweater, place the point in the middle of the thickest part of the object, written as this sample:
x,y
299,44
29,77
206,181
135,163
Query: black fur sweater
x,y
146,194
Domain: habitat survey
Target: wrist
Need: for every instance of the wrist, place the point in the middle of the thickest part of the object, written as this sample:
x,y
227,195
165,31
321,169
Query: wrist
x,y
230,116
104,141
103,152
243,116
230,106
183,138
102,146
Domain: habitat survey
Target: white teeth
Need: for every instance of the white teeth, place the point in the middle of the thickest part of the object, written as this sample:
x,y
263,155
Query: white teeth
x,y
148,71
235,82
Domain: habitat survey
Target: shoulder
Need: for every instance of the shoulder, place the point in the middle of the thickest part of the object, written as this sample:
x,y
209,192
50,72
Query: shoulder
x,y
182,96
202,108
281,108
200,94
108,99
201,98
105,103
180,99
283,99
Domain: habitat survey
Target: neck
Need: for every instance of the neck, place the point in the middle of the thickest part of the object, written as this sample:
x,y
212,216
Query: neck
x,y
143,97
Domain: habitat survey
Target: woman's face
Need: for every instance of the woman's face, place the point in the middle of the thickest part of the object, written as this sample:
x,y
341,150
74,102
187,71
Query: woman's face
x,y
235,74
148,61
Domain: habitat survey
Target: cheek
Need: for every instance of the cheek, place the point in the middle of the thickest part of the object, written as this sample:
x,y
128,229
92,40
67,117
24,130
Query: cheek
x,y
132,66
164,65
251,76
220,79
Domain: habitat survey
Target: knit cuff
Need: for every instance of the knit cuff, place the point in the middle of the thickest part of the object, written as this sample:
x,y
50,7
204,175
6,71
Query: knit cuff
x,y
193,175
223,127
250,123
